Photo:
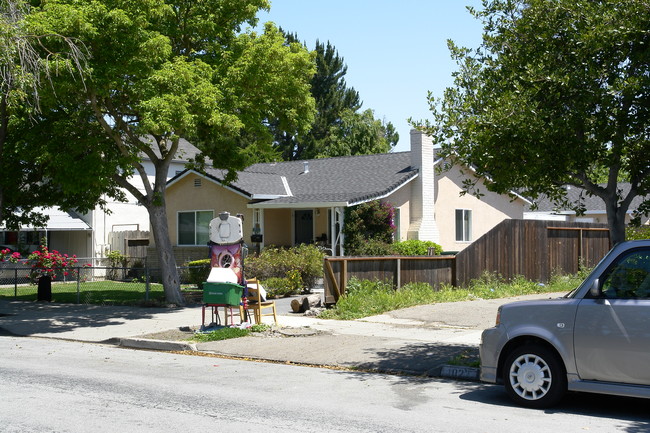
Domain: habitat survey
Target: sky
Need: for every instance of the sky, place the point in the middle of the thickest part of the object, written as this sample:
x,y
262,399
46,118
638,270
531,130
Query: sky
x,y
395,51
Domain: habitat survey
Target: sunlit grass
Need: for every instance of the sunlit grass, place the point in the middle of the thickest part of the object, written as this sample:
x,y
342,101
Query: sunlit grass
x,y
368,298
97,292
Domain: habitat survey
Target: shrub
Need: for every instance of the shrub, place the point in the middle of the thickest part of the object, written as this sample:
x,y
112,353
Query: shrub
x,y
304,263
637,233
373,247
198,272
415,247
278,287
368,221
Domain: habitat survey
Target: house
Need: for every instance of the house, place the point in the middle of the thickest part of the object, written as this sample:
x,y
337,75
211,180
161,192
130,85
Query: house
x,y
594,207
288,203
65,231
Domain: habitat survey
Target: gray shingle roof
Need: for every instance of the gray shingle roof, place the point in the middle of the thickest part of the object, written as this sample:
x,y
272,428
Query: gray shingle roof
x,y
591,202
342,180
349,179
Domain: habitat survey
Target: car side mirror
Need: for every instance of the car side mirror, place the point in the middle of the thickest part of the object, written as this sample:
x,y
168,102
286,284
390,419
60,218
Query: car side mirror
x,y
594,291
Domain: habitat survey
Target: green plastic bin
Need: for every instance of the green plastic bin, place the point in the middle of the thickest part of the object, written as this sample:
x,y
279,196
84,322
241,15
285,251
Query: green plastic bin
x,y
222,293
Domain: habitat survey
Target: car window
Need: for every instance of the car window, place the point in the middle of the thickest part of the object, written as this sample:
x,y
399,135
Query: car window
x,y
629,278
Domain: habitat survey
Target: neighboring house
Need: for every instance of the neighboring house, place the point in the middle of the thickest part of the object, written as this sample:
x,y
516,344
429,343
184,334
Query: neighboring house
x,y
594,208
65,231
289,203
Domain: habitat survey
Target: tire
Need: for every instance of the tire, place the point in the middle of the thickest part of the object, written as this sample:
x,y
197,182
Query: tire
x,y
534,377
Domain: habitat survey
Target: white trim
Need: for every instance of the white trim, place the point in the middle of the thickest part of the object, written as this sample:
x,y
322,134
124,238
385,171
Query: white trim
x,y
300,205
415,175
287,189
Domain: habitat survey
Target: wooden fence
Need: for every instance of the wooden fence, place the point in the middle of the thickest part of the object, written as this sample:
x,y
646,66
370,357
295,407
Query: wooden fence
x,y
399,270
131,243
533,249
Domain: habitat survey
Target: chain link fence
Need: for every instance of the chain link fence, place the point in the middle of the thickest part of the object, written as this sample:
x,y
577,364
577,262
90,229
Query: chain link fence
x,y
104,285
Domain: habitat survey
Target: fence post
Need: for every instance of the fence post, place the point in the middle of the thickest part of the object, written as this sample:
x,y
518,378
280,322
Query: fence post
x,y
78,285
15,282
146,283
398,273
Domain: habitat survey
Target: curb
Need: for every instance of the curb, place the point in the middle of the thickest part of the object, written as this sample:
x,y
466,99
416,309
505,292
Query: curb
x,y
447,371
460,372
165,345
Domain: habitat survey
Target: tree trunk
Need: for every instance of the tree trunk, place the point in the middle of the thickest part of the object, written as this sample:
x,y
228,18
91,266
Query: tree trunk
x,y
615,220
167,262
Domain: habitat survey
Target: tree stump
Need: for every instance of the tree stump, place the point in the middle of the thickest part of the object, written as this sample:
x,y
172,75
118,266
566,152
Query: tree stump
x,y
304,303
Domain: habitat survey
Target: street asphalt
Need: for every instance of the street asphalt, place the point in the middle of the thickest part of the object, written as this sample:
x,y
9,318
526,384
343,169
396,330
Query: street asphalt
x,y
419,340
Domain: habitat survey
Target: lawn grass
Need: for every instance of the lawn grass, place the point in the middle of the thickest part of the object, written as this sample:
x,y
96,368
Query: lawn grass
x,y
368,298
97,292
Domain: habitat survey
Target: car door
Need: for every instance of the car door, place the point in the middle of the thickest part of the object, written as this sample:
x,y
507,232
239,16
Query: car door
x,y
612,331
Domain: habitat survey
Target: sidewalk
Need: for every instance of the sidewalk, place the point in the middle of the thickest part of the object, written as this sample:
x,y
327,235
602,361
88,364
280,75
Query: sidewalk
x,y
418,340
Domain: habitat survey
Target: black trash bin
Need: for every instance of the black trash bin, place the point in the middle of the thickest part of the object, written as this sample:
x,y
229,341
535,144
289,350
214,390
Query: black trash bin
x,y
44,292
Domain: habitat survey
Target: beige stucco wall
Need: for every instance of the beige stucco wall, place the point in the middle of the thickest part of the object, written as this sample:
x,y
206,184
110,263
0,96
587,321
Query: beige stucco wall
x,y
487,211
183,195
277,227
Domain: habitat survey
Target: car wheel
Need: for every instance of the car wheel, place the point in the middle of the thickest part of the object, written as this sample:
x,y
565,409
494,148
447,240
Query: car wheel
x,y
534,377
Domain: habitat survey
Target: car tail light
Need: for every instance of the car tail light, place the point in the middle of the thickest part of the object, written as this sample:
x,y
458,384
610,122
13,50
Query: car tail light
x,y
498,317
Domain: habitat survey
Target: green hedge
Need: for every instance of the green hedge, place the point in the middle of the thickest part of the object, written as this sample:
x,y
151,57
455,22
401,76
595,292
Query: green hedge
x,y
302,265
198,272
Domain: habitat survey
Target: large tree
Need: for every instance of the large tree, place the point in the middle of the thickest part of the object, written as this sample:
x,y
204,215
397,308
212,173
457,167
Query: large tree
x,y
160,70
557,94
34,171
339,128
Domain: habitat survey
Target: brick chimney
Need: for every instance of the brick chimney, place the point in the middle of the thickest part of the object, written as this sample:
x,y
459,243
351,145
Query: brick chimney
x,y
422,211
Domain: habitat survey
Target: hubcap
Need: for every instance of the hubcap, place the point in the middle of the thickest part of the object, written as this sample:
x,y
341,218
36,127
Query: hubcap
x,y
530,377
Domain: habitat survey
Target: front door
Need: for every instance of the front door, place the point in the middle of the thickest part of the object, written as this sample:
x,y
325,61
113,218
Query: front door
x,y
303,226
612,333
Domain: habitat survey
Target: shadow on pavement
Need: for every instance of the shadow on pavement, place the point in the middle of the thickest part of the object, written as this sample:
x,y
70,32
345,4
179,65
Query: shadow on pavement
x,y
29,318
631,410
419,359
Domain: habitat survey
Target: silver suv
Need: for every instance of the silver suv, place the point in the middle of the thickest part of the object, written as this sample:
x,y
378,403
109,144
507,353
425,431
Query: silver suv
x,y
594,339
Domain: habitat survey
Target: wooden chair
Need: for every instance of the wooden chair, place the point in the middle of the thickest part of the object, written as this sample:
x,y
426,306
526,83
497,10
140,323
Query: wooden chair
x,y
256,303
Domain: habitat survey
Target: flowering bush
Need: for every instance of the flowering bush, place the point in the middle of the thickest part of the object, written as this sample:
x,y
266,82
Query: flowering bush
x,y
8,256
50,263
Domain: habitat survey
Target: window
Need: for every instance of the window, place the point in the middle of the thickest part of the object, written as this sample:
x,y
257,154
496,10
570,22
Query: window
x,y
194,227
463,225
630,277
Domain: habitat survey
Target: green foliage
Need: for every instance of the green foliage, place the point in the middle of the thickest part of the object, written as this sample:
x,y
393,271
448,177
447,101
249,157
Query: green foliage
x,y
221,334
198,272
637,233
339,128
372,247
167,70
365,298
33,59
555,95
368,221
278,287
302,264
116,259
415,247
260,327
